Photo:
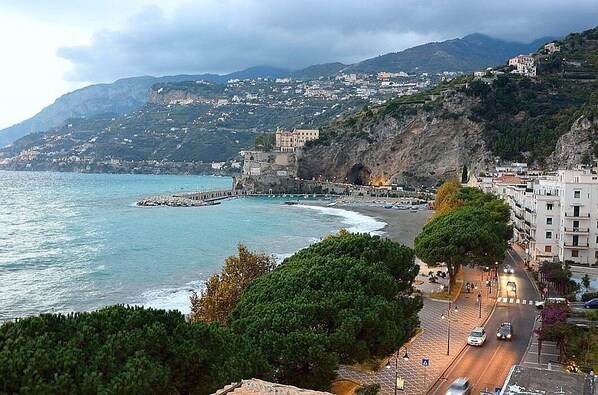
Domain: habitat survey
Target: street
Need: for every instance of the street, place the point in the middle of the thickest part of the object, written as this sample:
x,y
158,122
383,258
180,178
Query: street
x,y
487,366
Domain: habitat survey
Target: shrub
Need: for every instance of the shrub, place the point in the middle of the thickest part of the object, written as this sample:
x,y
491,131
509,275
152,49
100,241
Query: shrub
x,y
372,389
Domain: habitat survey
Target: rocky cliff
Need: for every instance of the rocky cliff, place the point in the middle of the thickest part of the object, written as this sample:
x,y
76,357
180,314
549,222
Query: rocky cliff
x,y
577,145
429,145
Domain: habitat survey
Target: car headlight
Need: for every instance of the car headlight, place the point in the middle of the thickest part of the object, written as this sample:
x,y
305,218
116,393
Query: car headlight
x,y
509,336
498,335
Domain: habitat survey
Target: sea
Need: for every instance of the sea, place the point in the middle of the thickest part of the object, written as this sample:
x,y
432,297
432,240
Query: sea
x,y
78,242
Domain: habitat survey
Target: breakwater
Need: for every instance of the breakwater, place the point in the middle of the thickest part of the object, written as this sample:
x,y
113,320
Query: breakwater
x,y
193,199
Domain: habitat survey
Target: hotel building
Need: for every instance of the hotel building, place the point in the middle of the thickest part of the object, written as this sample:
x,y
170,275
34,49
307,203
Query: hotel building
x,y
555,216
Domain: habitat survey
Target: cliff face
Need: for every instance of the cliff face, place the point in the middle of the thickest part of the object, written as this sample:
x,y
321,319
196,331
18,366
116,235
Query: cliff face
x,y
421,149
575,146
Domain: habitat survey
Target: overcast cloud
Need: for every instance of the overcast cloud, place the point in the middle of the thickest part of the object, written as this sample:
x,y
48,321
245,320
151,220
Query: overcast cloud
x,y
225,36
52,47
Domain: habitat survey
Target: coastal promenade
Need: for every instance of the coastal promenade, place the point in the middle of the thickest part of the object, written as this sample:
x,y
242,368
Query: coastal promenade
x,y
431,343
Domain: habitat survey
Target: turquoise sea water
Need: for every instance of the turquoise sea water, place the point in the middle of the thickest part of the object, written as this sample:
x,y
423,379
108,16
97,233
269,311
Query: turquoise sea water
x,y
75,242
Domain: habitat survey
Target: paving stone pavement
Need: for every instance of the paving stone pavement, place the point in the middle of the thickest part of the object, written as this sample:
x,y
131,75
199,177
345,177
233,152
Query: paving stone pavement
x,y
432,342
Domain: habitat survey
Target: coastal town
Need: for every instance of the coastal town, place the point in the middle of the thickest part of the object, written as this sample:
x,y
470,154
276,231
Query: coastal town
x,y
346,229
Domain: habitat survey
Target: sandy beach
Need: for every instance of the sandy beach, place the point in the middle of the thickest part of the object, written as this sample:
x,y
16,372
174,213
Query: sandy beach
x,y
401,225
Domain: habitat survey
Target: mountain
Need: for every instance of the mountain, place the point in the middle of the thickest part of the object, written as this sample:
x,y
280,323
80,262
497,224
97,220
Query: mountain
x,y
550,122
118,98
319,70
470,53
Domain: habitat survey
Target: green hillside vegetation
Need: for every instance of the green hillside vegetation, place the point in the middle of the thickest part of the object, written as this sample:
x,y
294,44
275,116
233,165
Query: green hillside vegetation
x,y
523,117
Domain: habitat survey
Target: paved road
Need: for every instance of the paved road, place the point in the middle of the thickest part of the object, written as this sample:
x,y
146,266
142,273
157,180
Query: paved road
x,y
488,366
432,343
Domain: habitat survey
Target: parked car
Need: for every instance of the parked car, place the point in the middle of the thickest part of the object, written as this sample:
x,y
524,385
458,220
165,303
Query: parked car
x,y
511,286
477,337
508,269
505,331
591,304
460,386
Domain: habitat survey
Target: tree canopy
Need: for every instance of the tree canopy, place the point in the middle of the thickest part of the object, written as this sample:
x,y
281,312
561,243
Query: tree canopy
x,y
122,350
465,235
344,299
224,289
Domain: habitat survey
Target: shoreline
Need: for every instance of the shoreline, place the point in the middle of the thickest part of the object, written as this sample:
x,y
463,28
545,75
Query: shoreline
x,y
402,226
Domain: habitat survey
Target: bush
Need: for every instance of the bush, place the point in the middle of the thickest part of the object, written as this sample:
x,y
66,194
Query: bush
x,y
372,389
588,296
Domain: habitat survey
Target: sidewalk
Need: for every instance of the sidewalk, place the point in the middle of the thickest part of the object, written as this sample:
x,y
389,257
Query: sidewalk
x,y
432,343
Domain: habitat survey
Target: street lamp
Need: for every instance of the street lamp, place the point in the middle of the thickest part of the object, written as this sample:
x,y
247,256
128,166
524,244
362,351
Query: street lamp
x,y
396,357
480,303
448,320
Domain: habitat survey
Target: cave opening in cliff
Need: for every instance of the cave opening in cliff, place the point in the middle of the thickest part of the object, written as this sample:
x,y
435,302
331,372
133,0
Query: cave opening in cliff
x,y
359,175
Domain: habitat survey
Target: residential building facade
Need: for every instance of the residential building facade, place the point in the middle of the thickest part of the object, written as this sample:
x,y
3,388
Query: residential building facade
x,y
287,141
555,216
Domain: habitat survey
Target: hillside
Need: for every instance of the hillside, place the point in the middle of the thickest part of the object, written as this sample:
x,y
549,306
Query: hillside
x,y
117,98
469,53
550,121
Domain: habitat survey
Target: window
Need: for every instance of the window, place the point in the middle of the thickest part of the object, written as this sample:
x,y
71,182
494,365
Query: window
x,y
549,249
595,254
574,253
596,239
548,221
576,194
549,235
548,206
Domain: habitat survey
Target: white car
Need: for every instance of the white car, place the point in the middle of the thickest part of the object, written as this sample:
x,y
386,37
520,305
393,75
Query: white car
x,y
511,286
508,269
477,337
461,386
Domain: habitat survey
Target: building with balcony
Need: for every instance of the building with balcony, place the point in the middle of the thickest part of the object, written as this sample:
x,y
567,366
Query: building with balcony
x,y
555,216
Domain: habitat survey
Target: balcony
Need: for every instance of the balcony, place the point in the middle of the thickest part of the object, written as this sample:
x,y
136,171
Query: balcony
x,y
576,246
578,216
577,230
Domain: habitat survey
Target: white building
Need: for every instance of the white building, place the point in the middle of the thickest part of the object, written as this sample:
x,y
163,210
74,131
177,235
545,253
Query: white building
x,y
524,64
552,47
556,216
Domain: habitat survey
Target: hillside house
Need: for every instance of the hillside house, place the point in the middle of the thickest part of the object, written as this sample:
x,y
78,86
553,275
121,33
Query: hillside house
x,y
287,141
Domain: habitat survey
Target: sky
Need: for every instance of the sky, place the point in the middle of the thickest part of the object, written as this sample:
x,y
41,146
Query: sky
x,y
50,48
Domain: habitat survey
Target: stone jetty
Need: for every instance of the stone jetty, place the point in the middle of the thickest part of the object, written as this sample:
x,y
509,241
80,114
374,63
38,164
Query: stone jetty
x,y
194,199
174,201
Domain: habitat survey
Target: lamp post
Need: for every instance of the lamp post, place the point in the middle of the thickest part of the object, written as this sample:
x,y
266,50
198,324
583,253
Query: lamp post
x,y
448,320
480,303
396,357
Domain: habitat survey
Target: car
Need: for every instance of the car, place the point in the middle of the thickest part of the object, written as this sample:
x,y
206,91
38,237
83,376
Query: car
x,y
505,331
511,286
508,269
477,337
591,304
460,386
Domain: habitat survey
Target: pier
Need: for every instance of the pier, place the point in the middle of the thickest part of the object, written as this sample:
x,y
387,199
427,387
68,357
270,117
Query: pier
x,y
193,199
